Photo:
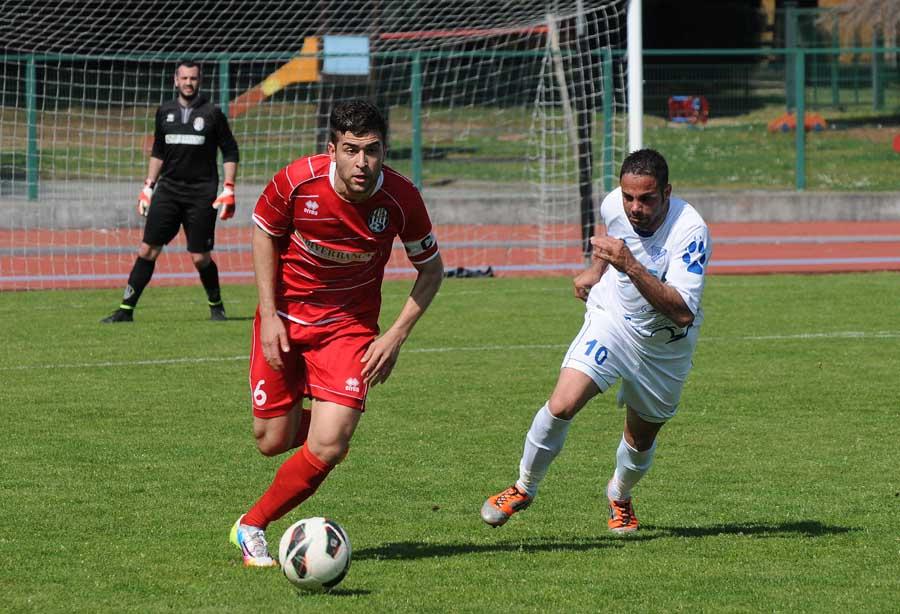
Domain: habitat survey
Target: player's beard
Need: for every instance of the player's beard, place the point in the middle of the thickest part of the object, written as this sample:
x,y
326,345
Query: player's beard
x,y
650,224
189,97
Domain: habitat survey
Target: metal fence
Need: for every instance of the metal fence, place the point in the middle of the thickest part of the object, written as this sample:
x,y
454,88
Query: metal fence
x,y
855,90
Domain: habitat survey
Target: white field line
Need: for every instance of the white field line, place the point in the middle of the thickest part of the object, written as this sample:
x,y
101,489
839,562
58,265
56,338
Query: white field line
x,y
885,334
158,303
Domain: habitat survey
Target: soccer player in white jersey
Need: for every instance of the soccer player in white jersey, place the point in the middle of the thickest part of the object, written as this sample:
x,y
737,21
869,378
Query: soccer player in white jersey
x,y
641,325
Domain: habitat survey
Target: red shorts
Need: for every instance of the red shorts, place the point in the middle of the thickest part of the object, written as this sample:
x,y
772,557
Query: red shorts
x,y
324,363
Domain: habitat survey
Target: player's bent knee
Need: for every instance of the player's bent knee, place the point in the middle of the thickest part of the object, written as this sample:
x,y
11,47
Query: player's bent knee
x,y
274,435
561,408
572,392
272,442
271,446
565,404
149,252
331,453
201,261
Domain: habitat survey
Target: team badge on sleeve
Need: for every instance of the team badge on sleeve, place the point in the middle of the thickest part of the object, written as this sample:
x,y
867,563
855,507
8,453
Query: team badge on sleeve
x,y
378,220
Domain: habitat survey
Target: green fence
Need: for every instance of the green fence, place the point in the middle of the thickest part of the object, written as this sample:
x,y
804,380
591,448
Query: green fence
x,y
485,129
853,90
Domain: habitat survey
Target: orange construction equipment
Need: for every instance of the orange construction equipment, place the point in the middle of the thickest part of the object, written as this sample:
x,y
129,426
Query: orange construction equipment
x,y
788,123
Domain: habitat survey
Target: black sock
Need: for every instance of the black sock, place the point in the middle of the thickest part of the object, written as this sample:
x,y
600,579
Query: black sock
x,y
209,276
140,276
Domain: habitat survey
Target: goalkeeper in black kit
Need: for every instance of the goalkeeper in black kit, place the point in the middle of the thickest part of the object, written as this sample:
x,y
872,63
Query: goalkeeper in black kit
x,y
180,189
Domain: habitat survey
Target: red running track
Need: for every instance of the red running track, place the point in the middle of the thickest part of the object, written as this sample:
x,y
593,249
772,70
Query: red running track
x,y
37,259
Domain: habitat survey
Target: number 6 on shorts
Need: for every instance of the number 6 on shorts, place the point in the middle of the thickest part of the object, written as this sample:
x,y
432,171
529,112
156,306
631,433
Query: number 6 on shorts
x,y
259,395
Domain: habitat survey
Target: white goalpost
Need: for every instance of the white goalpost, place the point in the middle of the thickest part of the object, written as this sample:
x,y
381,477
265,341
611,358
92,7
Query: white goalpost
x,y
509,116
635,76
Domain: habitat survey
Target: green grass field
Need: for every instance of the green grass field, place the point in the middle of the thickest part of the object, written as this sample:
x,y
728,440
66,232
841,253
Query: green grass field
x,y
127,455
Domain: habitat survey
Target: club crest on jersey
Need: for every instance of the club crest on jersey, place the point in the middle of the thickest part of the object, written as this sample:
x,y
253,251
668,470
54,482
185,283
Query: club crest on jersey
x,y
311,207
657,253
378,220
170,117
198,124
352,385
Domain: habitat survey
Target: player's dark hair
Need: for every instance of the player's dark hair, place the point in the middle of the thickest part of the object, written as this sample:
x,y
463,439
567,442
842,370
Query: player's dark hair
x,y
189,64
647,162
357,117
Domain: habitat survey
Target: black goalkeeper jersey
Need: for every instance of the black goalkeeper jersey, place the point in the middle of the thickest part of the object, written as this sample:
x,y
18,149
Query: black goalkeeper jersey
x,y
188,148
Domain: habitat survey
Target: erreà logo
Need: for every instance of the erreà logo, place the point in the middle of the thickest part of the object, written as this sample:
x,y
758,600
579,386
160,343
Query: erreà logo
x,y
352,385
657,253
311,207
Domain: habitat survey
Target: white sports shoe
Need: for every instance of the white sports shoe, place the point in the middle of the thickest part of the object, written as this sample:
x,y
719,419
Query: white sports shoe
x,y
252,543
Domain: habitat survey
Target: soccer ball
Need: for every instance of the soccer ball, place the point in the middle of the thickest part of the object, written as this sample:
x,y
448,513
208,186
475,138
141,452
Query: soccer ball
x,y
315,554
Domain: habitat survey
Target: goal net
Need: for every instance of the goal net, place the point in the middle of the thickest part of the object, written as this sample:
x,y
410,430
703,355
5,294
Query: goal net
x,y
508,115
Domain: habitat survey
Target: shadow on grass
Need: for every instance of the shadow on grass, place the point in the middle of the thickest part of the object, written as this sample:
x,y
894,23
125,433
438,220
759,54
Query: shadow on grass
x,y
801,528
415,550
335,592
348,592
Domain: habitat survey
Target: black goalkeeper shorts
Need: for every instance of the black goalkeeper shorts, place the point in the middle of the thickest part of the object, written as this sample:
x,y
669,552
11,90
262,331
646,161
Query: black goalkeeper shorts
x,y
171,209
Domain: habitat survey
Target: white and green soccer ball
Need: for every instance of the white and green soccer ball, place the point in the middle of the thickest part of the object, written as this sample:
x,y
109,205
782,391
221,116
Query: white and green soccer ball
x,y
315,554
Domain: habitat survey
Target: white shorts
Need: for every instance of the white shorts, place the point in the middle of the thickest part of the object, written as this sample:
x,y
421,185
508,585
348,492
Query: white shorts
x,y
652,376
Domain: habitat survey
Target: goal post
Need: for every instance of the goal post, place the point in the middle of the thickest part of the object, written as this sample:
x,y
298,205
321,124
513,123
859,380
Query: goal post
x,y
510,122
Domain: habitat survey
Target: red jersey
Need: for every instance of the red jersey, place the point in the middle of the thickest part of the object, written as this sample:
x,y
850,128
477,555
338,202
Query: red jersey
x,y
333,252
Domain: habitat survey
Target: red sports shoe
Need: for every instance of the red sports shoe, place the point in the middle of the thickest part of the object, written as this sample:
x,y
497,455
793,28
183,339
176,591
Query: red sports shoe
x,y
497,509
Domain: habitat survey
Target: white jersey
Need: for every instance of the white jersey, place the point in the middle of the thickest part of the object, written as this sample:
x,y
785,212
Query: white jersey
x,y
677,254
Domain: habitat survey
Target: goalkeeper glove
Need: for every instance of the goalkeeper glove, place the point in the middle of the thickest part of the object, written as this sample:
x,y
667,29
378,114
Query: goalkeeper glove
x,y
224,202
145,196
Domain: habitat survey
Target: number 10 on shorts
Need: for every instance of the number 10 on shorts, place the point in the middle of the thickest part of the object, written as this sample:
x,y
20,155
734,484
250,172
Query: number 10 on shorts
x,y
600,354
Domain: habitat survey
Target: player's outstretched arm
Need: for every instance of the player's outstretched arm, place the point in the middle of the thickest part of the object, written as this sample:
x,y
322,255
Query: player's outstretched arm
x,y
382,355
272,333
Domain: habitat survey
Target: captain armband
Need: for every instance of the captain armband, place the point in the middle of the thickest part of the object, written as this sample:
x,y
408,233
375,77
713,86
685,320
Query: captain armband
x,y
415,248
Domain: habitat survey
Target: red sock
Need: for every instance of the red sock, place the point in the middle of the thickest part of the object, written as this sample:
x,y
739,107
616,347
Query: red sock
x,y
303,429
295,482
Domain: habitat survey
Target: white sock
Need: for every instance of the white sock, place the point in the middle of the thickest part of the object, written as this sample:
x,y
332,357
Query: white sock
x,y
631,466
543,442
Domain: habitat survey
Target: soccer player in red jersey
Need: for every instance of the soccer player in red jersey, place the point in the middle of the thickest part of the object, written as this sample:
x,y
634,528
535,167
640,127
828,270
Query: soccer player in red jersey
x,y
325,226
